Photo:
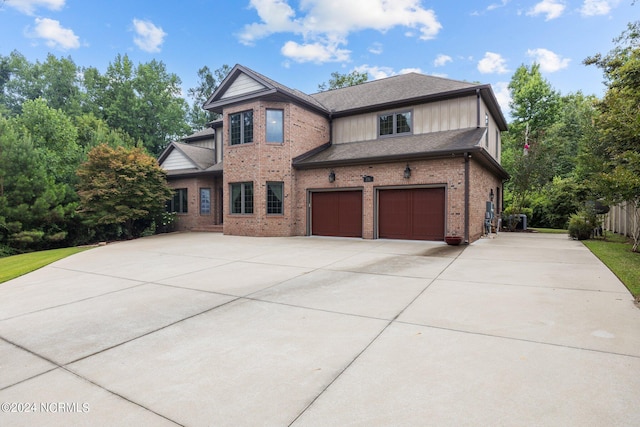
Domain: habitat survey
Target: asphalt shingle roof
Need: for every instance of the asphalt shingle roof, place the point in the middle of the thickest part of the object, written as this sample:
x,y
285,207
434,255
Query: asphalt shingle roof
x,y
402,147
389,90
204,158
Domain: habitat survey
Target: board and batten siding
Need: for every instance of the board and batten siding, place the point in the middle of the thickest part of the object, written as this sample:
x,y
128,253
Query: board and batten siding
x,y
204,143
177,161
450,114
241,85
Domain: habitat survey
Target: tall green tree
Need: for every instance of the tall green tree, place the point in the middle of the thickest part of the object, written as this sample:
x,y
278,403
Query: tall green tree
x,y
56,80
144,101
54,136
339,80
527,157
34,208
208,82
614,155
122,187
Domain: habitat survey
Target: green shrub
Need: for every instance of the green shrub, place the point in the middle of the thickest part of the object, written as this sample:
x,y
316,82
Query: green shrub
x,y
582,224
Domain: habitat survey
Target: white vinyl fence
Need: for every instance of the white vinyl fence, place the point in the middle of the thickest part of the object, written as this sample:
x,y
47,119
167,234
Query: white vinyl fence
x,y
622,219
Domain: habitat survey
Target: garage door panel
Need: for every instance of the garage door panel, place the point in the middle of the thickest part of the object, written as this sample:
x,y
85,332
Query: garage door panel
x,y
393,214
336,213
415,214
428,214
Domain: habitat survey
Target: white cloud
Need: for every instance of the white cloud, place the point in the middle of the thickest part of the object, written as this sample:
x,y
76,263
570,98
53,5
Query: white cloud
x,y
492,63
503,95
597,7
549,61
493,6
329,23
377,72
441,60
376,48
54,34
410,70
29,6
551,8
314,52
149,37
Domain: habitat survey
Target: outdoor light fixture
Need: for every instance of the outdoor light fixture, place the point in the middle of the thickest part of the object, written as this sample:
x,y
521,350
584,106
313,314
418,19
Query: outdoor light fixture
x,y
407,172
491,195
332,176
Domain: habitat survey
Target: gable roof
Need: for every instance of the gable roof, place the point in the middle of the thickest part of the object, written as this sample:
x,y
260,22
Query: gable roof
x,y
206,133
403,90
243,84
412,147
191,159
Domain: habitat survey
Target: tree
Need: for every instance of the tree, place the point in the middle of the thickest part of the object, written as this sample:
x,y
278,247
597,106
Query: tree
x,y
122,187
614,159
338,80
56,80
143,101
33,206
54,135
208,82
526,156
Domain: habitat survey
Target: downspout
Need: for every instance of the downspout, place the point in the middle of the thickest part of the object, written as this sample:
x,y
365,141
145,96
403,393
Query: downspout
x,y
467,156
477,108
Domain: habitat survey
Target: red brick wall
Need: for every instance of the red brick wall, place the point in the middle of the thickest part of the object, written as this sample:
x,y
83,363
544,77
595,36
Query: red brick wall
x,y
260,162
192,219
481,182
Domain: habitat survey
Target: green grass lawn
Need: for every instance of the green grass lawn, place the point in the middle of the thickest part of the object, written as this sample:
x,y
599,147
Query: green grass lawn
x,y
17,265
615,251
550,230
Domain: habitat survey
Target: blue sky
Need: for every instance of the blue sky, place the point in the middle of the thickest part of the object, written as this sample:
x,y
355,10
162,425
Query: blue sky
x,y
299,43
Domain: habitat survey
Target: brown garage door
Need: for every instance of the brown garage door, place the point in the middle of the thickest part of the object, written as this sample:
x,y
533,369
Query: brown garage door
x,y
415,214
336,213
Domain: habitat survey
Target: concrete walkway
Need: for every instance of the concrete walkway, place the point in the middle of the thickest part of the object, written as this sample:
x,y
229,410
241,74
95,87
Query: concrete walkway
x,y
202,329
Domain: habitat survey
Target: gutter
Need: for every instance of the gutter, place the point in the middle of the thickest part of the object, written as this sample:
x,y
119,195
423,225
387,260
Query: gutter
x,y
467,156
477,108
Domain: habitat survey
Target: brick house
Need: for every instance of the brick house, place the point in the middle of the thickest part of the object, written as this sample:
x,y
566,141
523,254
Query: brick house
x,y
406,157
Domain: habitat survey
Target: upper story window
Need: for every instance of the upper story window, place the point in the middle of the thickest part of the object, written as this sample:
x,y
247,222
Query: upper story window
x,y
486,135
241,128
275,126
394,123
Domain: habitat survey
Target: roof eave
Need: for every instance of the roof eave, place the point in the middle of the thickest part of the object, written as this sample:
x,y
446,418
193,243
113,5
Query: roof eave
x,y
440,154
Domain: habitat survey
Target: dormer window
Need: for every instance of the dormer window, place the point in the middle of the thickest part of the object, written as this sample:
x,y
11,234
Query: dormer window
x,y
390,124
241,128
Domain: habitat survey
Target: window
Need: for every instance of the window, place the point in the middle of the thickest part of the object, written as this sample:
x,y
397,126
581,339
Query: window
x,y
394,123
275,128
205,201
179,203
241,128
275,191
242,198
486,135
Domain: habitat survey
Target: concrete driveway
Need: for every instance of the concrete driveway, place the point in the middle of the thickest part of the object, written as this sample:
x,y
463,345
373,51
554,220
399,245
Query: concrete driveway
x,y
202,329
